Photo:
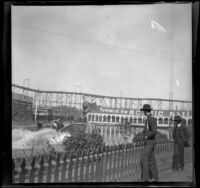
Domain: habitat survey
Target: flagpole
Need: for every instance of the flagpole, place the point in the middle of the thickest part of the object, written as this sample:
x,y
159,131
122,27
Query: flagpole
x,y
35,110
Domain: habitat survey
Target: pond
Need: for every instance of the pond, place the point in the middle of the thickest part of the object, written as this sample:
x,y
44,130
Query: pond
x,y
116,134
24,140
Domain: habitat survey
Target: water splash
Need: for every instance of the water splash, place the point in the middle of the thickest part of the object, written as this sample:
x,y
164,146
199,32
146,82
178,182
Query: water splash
x,y
22,139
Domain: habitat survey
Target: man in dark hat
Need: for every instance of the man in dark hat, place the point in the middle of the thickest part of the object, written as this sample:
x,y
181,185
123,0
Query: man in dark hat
x,y
180,136
148,161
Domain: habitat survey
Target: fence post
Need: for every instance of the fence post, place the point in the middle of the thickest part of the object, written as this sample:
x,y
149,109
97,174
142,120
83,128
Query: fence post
x,y
132,156
98,165
23,171
49,169
128,161
123,162
136,160
57,168
105,158
117,162
102,163
106,164
92,172
162,155
81,162
172,153
109,163
87,164
138,167
13,171
76,166
32,171
63,168
70,166
114,163
41,170
132,162
157,151
165,156
120,162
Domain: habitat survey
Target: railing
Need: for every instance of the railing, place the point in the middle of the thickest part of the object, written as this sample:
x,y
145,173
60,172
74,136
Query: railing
x,y
111,164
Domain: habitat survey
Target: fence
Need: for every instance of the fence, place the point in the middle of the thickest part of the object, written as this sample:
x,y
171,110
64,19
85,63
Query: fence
x,y
114,164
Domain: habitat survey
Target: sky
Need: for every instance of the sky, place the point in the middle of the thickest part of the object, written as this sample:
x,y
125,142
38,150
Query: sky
x,y
108,50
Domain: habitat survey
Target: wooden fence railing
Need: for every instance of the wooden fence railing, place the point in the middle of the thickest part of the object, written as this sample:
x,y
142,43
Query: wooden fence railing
x,y
114,164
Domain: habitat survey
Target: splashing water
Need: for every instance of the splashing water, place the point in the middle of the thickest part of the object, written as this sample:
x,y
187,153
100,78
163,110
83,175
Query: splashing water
x,y
26,139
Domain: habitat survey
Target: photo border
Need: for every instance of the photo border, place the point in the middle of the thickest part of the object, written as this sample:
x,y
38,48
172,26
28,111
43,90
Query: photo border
x,y
7,85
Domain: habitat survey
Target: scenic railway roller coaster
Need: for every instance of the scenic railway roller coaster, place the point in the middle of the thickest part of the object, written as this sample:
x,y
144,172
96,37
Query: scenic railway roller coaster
x,y
110,109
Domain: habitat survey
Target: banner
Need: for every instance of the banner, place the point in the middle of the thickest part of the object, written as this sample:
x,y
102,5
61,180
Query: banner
x,y
163,113
157,113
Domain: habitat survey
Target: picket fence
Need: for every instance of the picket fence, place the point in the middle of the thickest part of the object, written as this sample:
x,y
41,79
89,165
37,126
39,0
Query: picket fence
x,y
114,164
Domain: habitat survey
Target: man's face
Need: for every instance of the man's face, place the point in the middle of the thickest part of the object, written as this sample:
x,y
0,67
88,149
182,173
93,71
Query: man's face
x,y
145,113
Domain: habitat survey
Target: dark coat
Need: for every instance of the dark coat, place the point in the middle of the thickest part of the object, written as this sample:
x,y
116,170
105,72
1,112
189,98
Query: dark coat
x,y
180,134
151,130
148,160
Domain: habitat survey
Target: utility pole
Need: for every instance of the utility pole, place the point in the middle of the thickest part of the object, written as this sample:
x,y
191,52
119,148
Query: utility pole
x,y
120,99
24,81
171,72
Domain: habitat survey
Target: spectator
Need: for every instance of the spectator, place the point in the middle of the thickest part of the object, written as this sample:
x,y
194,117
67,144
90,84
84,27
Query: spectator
x,y
180,136
39,124
149,172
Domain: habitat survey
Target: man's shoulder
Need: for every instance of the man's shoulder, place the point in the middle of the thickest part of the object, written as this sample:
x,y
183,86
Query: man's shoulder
x,y
152,119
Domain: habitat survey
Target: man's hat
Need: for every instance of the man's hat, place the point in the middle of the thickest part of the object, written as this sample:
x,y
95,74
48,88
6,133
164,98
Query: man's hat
x,y
177,118
146,107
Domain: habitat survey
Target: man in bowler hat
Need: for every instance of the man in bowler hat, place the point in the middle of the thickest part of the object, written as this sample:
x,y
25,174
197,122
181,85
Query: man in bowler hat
x,y
149,172
180,136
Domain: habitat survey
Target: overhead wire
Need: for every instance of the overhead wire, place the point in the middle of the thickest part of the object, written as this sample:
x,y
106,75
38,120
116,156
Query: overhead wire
x,y
98,43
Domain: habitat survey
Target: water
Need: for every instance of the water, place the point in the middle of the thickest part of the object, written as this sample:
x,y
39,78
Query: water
x,y
22,139
114,135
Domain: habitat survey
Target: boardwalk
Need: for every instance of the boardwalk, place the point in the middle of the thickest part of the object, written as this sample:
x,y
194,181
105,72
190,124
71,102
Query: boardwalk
x,y
178,176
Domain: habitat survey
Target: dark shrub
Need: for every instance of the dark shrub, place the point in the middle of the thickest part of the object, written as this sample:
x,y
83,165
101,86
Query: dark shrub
x,y
82,143
139,139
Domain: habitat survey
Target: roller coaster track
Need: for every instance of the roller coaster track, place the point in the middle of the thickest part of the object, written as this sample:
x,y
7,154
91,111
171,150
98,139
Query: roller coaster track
x,y
49,99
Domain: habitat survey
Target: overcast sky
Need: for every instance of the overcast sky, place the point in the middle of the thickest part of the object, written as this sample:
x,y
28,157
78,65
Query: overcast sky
x,y
104,49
